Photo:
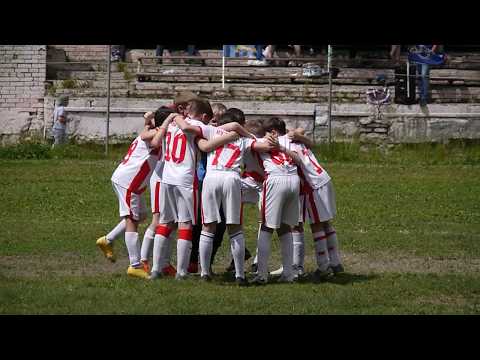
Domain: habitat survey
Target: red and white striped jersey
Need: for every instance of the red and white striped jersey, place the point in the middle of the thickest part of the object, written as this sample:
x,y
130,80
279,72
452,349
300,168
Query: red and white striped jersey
x,y
135,170
253,165
310,170
180,155
228,157
276,162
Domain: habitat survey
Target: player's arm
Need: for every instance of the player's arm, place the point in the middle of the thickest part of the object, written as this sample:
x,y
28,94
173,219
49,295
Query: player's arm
x,y
275,144
298,135
291,153
186,127
148,127
233,126
262,146
210,145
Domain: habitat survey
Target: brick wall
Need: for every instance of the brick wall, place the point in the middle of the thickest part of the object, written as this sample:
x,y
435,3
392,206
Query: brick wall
x,y
83,52
22,84
22,77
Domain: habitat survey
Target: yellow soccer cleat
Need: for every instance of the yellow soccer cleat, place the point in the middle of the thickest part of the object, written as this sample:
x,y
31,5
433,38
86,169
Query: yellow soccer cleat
x,y
137,272
107,248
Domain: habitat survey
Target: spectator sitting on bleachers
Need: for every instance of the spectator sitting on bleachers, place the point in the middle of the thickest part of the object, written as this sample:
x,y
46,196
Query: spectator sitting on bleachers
x,y
271,50
165,50
118,53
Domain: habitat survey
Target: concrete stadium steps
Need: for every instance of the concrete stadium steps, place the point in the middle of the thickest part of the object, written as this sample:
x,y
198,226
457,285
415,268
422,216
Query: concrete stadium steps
x,y
264,92
159,73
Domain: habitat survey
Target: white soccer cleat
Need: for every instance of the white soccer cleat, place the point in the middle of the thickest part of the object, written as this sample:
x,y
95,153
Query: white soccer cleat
x,y
277,272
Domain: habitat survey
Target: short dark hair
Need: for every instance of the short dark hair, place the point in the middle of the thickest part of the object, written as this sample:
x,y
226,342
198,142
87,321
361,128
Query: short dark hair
x,y
274,123
237,114
226,118
161,114
200,107
255,127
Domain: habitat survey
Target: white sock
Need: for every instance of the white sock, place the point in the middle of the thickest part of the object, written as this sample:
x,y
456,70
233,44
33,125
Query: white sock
x,y
133,247
184,249
332,244
118,230
263,253
298,248
286,245
237,245
205,249
255,259
321,253
160,243
167,251
147,244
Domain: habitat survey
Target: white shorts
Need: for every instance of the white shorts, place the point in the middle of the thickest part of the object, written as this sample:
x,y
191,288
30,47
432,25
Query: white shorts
x,y
155,185
130,203
178,204
251,190
280,201
320,204
222,189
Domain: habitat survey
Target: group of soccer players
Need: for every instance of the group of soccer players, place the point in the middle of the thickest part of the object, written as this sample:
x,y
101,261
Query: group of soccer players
x,y
257,162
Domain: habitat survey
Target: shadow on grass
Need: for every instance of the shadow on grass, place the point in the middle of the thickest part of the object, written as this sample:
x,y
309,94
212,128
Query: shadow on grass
x,y
228,279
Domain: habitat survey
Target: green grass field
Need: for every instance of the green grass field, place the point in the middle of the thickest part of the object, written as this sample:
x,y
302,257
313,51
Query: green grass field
x,y
408,225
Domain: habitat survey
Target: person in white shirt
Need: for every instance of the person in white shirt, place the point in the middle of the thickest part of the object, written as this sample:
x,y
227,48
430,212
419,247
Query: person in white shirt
x,y
59,129
222,189
280,208
129,181
319,209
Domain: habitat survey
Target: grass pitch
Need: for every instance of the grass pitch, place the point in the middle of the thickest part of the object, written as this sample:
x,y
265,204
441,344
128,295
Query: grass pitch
x,y
408,224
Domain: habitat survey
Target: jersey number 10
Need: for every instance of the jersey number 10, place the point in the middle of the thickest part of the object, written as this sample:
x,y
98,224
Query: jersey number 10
x,y
172,155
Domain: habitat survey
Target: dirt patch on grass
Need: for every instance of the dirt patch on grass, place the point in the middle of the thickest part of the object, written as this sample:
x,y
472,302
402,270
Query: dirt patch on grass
x,y
401,263
71,264
66,264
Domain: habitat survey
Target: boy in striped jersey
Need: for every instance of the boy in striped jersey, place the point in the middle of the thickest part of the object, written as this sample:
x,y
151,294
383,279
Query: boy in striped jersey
x,y
222,190
320,207
280,197
129,181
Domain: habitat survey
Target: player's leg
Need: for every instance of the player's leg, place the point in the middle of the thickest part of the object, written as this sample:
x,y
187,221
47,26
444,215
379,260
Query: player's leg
x,y
137,215
196,233
206,246
326,194
316,211
298,237
211,203
105,243
219,233
332,246
237,247
286,247
162,239
289,218
263,254
147,242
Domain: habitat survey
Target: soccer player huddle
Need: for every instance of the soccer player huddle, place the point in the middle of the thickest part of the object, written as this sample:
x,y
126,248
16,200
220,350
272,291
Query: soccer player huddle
x,y
241,162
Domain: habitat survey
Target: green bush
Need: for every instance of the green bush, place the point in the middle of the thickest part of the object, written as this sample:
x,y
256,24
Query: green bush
x,y
26,151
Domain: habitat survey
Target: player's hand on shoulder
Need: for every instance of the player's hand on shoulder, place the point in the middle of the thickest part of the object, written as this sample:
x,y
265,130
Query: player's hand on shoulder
x,y
272,141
